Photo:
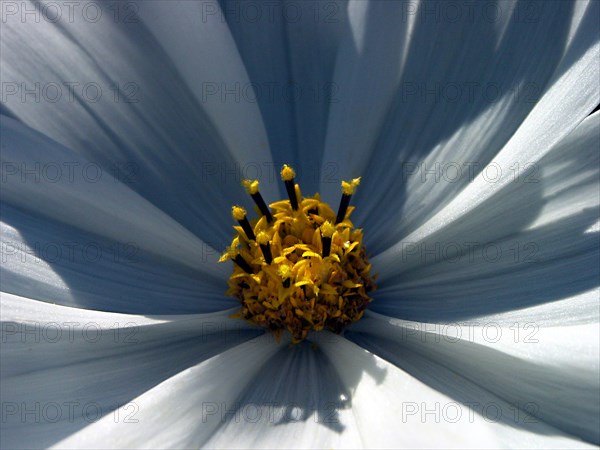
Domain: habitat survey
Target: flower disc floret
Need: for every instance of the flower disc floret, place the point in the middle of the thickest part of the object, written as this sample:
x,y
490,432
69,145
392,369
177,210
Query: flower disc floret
x,y
304,270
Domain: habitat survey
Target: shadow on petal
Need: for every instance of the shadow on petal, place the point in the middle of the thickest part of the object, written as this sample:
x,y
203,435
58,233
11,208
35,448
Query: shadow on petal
x,y
524,394
64,369
443,127
297,389
526,245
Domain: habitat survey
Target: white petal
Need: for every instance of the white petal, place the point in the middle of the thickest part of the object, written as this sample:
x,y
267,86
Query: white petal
x,y
394,409
526,245
47,260
185,410
571,93
547,369
48,179
368,68
289,51
296,401
65,368
106,89
462,89
470,110
193,34
421,406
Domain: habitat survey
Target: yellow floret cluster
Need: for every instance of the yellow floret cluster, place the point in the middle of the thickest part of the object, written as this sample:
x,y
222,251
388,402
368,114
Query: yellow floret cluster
x,y
301,290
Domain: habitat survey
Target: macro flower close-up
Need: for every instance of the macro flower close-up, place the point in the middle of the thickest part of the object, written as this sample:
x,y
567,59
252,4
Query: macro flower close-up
x,y
300,224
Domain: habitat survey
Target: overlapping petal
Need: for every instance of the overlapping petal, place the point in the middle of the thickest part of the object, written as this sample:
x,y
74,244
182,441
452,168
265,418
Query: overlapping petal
x,y
185,410
541,361
64,369
527,244
96,89
440,111
393,408
71,214
297,393
289,50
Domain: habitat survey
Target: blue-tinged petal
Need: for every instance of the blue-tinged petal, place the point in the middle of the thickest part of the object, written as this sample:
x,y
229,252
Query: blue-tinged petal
x,y
65,369
367,71
397,407
527,244
540,362
47,260
185,410
43,177
289,50
74,235
198,42
567,98
297,393
452,106
106,88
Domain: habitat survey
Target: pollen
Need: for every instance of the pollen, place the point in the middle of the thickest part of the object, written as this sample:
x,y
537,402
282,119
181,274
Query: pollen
x,y
251,186
300,266
287,173
238,213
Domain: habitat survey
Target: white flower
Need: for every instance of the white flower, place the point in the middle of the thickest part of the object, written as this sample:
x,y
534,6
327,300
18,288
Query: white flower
x,y
124,131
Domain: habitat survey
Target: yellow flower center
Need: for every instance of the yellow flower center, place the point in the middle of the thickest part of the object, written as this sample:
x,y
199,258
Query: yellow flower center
x,y
299,266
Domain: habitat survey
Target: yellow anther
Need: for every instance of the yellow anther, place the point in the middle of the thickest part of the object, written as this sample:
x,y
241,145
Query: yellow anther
x,y
327,229
251,186
262,238
284,271
299,277
348,187
230,253
287,173
238,212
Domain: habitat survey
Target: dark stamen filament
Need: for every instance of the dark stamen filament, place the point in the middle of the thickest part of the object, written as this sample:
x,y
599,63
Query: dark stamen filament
x,y
344,203
264,209
240,261
287,175
326,246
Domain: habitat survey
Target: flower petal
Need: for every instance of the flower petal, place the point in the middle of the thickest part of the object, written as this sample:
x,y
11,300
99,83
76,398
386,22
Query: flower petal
x,y
297,393
193,33
93,85
65,368
366,73
443,109
49,261
44,177
289,51
528,244
568,97
395,409
185,410
547,370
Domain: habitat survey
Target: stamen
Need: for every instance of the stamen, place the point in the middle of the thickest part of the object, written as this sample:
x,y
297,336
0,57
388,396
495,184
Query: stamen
x,y
240,261
252,189
232,253
285,273
288,175
327,231
306,270
348,189
239,214
263,241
